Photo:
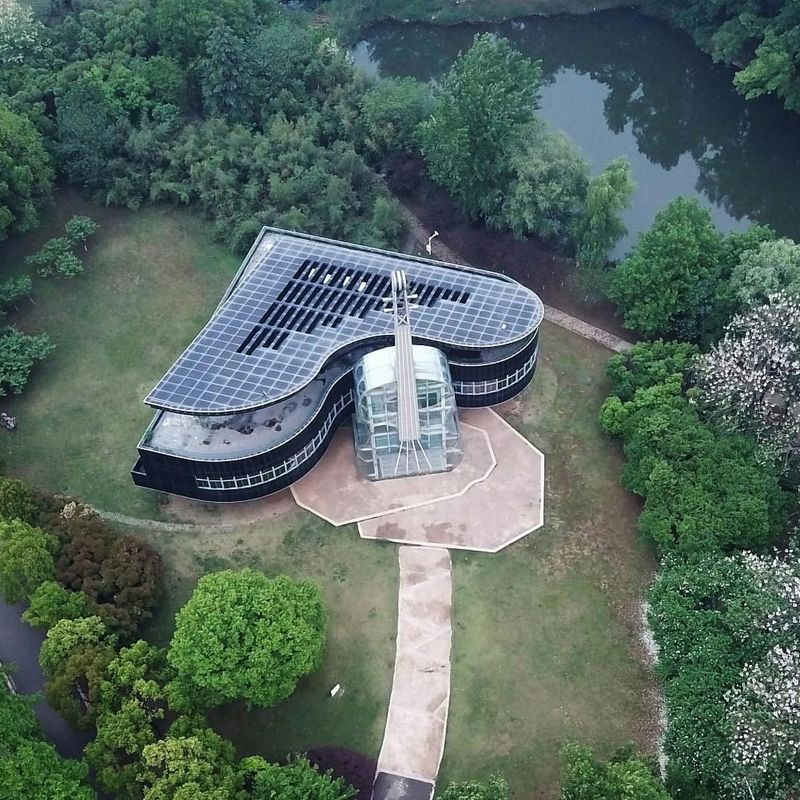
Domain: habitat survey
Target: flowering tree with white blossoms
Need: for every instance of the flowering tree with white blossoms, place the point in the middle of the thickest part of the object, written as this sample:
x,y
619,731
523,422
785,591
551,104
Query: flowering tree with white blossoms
x,y
20,32
764,714
750,381
764,708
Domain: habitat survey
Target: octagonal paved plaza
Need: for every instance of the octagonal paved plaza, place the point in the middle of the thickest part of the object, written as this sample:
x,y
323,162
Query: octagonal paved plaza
x,y
494,497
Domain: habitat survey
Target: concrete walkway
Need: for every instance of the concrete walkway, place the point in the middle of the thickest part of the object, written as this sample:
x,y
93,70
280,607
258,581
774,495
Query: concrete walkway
x,y
416,724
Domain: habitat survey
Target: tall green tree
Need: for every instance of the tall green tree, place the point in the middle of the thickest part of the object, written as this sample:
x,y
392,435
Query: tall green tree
x,y
228,77
26,173
191,761
393,110
479,117
244,636
547,191
600,227
26,559
52,602
17,500
666,284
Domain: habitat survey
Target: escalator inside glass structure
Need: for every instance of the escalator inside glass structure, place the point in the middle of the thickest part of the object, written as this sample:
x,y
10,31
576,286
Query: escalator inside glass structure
x,y
406,420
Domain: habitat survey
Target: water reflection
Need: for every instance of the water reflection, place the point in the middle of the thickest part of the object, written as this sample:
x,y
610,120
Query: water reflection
x,y
619,83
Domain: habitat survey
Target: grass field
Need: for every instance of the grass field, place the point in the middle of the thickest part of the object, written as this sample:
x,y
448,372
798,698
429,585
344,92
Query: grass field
x,y
544,633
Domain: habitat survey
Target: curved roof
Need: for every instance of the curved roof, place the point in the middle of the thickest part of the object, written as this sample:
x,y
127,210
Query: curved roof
x,y
298,300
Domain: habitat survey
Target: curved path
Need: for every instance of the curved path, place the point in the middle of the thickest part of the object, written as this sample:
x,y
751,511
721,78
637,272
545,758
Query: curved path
x,y
416,724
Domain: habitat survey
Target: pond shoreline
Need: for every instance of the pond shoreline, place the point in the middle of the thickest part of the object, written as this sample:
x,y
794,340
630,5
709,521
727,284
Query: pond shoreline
x,y
444,13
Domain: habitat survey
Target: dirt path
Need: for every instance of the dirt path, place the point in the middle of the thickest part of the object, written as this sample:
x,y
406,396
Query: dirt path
x,y
416,724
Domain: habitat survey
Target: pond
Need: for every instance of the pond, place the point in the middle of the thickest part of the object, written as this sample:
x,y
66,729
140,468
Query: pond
x,y
620,83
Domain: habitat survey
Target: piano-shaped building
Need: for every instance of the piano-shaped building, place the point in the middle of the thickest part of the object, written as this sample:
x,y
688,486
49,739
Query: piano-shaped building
x,y
309,328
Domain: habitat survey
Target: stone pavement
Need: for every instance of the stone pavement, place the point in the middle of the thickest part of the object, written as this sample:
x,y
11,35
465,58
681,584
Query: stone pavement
x,y
416,723
491,514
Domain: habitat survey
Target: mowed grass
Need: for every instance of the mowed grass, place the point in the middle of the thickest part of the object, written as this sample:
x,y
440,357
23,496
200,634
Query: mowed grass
x,y
545,633
545,646
151,280
359,583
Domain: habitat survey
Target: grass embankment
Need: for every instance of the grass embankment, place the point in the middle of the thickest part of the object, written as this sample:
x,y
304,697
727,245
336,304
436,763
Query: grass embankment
x,y
544,649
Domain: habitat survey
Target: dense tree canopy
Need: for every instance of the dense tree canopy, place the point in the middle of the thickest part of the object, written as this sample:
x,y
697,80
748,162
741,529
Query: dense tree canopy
x,y
393,110
191,761
120,575
245,636
30,768
26,559
52,602
297,780
26,174
665,284
17,500
480,113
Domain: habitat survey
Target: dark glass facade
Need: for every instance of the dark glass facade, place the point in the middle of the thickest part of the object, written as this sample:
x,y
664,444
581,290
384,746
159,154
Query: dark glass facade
x,y
480,378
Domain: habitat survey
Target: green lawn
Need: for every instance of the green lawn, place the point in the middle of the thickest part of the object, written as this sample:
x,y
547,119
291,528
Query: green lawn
x,y
544,645
151,280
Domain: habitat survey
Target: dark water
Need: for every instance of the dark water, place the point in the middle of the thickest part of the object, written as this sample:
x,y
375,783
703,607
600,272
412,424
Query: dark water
x,y
623,84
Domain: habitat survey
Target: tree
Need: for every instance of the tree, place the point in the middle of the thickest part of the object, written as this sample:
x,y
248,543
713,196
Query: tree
x,y
764,716
666,283
55,258
393,109
30,767
623,776
13,290
183,26
547,191
26,174
26,559
132,713
190,762
773,267
18,355
750,380
66,636
480,112
20,32
244,636
78,229
711,618
494,788
297,780
600,227
121,575
17,500
73,689
228,77
51,602
649,364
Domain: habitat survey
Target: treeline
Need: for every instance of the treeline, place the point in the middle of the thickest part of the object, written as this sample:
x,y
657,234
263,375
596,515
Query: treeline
x,y
92,589
241,109
709,418
759,38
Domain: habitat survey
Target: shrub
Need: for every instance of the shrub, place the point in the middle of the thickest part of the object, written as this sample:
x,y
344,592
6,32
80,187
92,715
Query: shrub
x,y
18,355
